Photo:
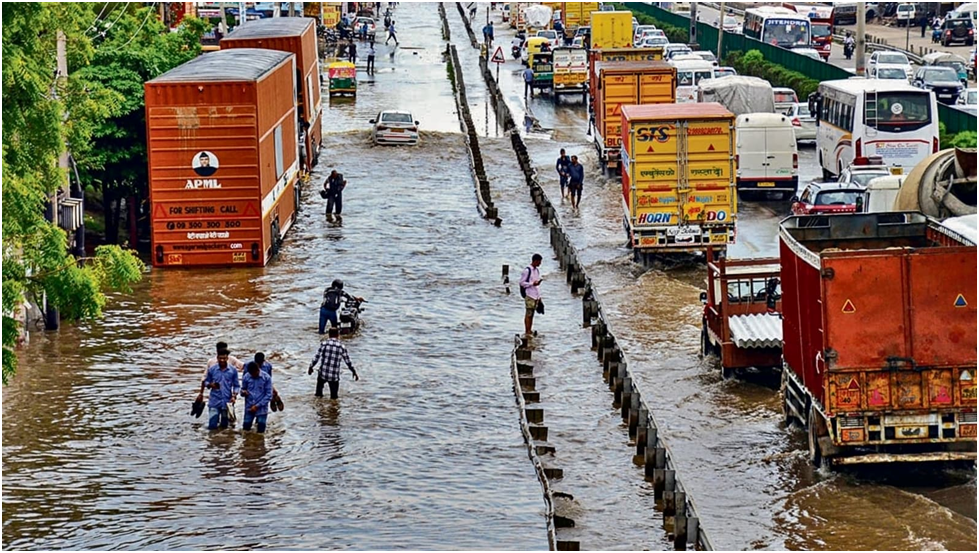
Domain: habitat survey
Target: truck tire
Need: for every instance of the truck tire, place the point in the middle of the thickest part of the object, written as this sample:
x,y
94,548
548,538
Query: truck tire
x,y
704,341
815,455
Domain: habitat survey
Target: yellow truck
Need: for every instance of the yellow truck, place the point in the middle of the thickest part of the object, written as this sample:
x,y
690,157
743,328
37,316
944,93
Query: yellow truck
x,y
678,177
570,72
611,30
578,14
613,85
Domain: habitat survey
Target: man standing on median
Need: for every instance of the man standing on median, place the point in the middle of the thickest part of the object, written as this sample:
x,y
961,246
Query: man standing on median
x,y
530,290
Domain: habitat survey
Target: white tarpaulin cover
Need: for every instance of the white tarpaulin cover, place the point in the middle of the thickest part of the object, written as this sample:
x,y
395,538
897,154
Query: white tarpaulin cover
x,y
739,94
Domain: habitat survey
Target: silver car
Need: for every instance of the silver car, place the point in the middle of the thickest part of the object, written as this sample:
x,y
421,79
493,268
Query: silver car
x,y
803,122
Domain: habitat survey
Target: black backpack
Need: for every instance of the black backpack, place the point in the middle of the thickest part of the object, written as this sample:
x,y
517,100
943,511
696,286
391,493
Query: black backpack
x,y
523,291
331,299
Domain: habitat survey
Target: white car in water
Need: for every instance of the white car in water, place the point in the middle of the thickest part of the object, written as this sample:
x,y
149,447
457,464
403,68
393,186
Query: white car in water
x,y
394,127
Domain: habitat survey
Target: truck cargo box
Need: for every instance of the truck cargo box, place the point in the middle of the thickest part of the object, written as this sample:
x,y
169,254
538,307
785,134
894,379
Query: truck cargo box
x,y
880,335
622,84
223,158
570,70
611,30
578,14
678,176
296,35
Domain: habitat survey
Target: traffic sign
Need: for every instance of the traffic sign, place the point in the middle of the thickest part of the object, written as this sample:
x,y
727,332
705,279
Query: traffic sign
x,y
498,56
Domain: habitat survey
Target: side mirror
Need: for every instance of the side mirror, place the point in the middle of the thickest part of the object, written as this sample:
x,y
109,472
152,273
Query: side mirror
x,y
416,123
703,298
372,121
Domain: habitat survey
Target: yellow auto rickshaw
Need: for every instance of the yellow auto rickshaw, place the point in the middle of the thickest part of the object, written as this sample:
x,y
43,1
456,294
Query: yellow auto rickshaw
x,y
343,78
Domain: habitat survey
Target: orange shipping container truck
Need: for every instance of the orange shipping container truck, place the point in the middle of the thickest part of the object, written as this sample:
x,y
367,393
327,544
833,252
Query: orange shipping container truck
x,y
223,158
622,84
879,332
296,35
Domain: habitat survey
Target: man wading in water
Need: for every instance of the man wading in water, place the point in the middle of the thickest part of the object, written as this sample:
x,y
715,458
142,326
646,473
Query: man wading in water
x,y
530,290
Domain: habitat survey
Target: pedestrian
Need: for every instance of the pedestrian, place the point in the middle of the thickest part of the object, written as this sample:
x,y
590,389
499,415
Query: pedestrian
x,y
371,52
222,381
576,180
528,81
563,162
332,298
352,51
329,355
232,360
924,24
363,31
334,185
488,34
392,33
530,291
266,368
256,388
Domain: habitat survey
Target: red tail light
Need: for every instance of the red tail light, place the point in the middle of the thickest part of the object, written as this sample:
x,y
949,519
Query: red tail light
x,y
795,161
796,122
858,148
934,145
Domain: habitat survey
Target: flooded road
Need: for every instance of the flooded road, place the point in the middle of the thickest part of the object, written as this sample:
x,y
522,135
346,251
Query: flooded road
x,y
425,452
749,476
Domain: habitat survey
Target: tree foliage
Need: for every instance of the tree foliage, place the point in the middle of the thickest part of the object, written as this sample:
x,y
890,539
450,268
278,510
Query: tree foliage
x,y
754,63
97,113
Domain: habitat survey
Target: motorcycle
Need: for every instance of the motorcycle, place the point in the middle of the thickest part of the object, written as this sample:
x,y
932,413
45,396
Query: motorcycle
x,y
515,52
349,316
848,51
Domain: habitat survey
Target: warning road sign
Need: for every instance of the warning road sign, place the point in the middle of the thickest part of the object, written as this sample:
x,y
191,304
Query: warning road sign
x,y
498,56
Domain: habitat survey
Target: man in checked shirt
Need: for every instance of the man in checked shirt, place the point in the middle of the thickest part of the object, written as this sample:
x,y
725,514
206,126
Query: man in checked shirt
x,y
329,355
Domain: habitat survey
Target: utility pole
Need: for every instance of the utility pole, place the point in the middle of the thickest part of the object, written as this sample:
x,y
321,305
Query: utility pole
x,y
223,24
861,39
52,319
720,33
693,26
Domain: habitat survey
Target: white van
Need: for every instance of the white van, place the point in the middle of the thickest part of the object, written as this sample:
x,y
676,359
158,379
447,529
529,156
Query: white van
x,y
881,193
689,73
766,154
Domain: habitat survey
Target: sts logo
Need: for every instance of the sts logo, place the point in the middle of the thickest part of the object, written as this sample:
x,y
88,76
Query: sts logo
x,y
659,134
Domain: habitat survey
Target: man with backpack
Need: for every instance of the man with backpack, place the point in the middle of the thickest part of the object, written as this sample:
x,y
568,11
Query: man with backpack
x,y
530,292
332,298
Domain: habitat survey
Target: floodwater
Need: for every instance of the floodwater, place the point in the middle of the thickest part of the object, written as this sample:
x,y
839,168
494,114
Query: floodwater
x,y
748,475
424,452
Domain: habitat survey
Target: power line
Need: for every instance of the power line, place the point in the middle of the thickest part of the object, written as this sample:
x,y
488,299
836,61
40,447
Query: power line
x,y
150,12
92,27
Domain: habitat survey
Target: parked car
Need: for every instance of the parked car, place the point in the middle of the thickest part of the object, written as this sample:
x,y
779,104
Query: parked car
x,y
724,72
394,127
905,15
967,101
889,58
707,55
637,33
887,71
803,123
827,197
808,52
944,81
958,31
674,48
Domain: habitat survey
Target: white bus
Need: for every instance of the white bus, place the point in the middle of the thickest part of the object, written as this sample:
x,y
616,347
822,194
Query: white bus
x,y
865,117
777,26
689,73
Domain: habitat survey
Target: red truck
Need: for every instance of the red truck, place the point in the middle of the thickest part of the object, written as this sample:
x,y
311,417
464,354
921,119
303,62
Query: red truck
x,y
741,323
879,331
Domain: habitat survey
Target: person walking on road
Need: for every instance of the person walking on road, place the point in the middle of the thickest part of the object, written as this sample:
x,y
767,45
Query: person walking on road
x,y
924,24
256,388
352,51
329,356
392,34
332,298
222,381
334,186
562,165
528,80
530,290
371,52
488,35
576,181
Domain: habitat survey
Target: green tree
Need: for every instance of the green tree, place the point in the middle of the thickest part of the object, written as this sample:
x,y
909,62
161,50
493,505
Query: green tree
x,y
37,126
135,49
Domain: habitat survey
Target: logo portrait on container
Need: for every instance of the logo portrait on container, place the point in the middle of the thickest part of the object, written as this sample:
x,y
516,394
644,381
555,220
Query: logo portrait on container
x,y
205,163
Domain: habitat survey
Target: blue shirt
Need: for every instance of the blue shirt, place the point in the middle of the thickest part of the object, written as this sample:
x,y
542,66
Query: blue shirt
x,y
576,173
266,368
259,392
227,378
528,75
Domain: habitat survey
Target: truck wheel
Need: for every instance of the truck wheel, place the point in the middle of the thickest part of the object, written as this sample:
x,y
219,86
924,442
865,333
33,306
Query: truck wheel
x,y
815,455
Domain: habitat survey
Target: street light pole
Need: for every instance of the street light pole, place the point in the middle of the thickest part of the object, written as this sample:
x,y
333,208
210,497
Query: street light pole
x,y
693,25
861,39
720,33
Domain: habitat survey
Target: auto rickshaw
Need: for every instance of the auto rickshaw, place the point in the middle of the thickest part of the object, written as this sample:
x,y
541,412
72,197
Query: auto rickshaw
x,y
343,78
